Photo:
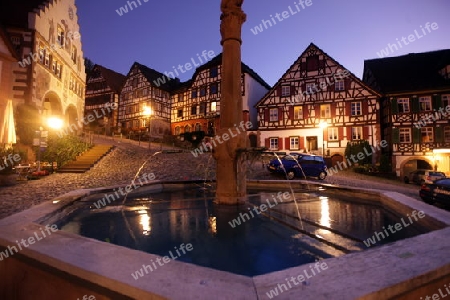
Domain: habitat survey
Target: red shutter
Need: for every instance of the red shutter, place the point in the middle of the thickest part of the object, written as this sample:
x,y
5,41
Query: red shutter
x,y
349,133
365,107
305,111
347,84
280,143
333,110
317,108
348,109
341,133
287,143
301,142
325,134
365,132
279,91
280,114
291,112
267,143
266,114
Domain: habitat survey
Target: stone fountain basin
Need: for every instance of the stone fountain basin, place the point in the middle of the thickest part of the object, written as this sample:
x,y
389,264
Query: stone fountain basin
x,y
79,266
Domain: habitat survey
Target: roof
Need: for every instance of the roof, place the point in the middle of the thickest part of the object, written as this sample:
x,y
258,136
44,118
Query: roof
x,y
155,76
114,80
15,12
312,45
408,73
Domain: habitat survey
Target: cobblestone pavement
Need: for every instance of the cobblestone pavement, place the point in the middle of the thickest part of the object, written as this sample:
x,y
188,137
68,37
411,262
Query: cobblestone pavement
x,y
121,165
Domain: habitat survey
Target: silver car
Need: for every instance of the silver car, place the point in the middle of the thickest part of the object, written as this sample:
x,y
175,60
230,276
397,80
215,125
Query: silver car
x,y
422,176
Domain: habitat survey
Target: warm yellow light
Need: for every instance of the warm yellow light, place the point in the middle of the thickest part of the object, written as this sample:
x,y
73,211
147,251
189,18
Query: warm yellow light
x,y
323,124
147,111
55,123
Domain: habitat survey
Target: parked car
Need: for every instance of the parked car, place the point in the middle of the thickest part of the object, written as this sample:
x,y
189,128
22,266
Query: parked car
x,y
438,191
299,165
421,176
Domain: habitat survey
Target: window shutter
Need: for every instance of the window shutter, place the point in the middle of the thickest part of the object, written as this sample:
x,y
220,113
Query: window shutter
x,y
333,110
280,144
280,114
267,143
349,133
365,132
266,114
439,134
415,104
325,134
416,135
305,112
292,90
317,108
395,135
365,108
287,143
279,91
291,112
437,102
301,141
340,133
348,109
394,106
348,83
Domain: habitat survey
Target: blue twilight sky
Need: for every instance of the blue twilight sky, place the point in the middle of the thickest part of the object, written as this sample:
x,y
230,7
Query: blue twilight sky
x,y
163,34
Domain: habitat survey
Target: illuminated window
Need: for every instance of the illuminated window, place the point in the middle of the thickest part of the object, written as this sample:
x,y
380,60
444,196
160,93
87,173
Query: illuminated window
x,y
357,133
273,143
333,134
425,103
325,111
403,105
298,112
294,143
427,134
213,106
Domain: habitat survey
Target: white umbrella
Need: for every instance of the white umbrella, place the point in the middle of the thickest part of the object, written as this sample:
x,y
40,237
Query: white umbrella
x,y
7,128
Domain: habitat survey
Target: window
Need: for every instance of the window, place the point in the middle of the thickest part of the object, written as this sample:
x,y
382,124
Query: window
x,y
339,85
357,133
294,143
213,72
213,106
445,101
427,134
177,130
144,92
61,36
273,114
213,88
187,128
298,112
403,105
425,103
41,53
47,58
273,143
310,88
193,110
333,134
194,94
285,91
325,111
202,108
202,91
179,113
198,127
54,66
356,108
447,134
58,70
74,54
405,135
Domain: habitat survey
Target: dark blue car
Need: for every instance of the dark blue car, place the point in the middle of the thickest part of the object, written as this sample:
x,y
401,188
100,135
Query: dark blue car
x,y
299,165
438,191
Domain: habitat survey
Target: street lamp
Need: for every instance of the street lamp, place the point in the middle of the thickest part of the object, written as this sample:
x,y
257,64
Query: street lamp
x,y
323,125
148,112
54,123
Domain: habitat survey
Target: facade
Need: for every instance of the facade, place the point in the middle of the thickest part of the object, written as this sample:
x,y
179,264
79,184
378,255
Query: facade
x,y
102,99
145,101
51,77
318,107
415,108
196,103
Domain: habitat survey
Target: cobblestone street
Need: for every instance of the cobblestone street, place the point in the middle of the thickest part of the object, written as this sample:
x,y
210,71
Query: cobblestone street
x,y
121,165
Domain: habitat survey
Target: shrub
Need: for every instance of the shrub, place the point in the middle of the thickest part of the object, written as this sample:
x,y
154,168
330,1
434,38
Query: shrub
x,y
62,149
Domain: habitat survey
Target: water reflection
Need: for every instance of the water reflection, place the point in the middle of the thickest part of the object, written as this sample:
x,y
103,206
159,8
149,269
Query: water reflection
x,y
144,221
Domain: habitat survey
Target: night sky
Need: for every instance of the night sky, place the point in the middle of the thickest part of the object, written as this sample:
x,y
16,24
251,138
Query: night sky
x,y
163,34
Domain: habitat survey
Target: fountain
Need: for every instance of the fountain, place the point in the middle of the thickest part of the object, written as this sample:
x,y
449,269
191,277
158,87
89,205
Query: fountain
x,y
401,269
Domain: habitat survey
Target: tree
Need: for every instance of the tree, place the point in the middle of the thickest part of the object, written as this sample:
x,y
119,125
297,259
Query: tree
x,y
88,67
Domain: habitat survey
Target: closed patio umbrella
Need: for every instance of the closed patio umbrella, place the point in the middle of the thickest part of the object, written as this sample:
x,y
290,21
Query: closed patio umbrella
x,y
7,128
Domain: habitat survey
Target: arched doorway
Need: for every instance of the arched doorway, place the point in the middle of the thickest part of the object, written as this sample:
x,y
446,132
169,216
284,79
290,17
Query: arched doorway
x,y
414,164
52,106
71,118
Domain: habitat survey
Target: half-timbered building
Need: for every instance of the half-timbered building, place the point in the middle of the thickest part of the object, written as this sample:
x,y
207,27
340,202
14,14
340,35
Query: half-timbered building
x,y
318,107
196,103
145,101
103,89
415,108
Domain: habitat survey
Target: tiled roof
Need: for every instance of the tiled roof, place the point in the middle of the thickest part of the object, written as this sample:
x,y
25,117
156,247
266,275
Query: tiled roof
x,y
153,76
15,12
408,73
114,80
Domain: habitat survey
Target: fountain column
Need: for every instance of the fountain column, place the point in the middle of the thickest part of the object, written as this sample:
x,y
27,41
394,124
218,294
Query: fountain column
x,y
231,171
